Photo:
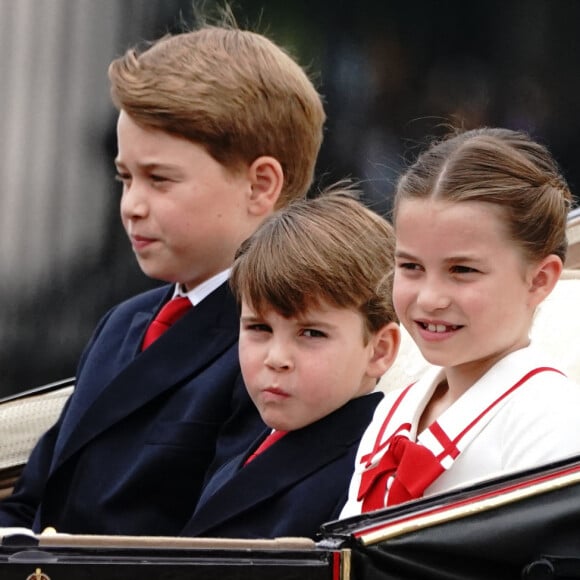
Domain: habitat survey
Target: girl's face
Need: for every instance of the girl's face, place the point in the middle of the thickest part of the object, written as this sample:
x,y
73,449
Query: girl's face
x,y
462,288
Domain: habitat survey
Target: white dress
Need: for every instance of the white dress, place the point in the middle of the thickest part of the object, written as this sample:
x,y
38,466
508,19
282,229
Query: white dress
x,y
520,414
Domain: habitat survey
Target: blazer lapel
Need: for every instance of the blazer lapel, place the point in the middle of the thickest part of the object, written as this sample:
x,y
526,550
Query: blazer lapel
x,y
202,335
117,357
291,459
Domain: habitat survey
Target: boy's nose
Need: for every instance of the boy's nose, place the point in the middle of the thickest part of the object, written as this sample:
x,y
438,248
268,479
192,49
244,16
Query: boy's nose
x,y
278,359
133,202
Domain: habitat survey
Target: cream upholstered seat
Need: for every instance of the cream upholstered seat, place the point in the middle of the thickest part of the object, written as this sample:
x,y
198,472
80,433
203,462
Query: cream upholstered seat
x,y
23,418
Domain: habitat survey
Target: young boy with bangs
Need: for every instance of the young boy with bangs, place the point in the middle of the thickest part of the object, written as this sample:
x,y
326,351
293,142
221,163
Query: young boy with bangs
x,y
204,156
317,331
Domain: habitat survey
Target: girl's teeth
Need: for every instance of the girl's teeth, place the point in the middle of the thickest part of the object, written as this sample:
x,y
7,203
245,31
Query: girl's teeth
x,y
436,327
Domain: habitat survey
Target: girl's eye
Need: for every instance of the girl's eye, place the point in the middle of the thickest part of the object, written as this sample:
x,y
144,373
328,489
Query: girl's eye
x,y
408,266
313,333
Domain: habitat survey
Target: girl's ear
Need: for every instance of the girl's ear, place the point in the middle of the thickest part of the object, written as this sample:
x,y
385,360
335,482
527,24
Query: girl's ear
x,y
266,180
544,278
385,346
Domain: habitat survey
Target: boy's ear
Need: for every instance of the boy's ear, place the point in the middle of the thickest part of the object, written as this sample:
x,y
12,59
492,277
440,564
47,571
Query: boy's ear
x,y
266,180
544,278
385,346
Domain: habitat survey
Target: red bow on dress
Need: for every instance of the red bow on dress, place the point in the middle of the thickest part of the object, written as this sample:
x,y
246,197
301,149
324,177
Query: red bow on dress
x,y
412,468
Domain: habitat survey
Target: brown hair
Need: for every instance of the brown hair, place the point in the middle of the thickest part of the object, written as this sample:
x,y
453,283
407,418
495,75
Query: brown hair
x,y
502,167
233,91
328,249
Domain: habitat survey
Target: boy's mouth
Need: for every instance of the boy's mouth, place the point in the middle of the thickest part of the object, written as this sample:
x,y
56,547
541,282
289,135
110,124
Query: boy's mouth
x,y
276,391
141,242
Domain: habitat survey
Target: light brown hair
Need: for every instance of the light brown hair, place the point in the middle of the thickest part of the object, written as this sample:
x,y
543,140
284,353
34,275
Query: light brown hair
x,y
330,249
232,91
501,167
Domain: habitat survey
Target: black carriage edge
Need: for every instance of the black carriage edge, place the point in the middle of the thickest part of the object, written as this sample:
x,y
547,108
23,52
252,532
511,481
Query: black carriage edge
x,y
519,526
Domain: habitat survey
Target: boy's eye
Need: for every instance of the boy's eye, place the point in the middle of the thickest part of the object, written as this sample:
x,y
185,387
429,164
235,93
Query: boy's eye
x,y
258,328
458,269
158,178
122,177
313,333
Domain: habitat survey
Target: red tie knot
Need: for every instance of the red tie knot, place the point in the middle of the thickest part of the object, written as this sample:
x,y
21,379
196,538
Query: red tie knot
x,y
169,314
173,310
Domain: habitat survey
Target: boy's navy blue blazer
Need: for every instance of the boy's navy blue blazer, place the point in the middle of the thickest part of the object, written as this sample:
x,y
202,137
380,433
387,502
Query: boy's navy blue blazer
x,y
292,487
136,439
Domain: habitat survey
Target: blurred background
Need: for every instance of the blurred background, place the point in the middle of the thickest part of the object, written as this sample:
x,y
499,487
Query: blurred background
x,y
393,74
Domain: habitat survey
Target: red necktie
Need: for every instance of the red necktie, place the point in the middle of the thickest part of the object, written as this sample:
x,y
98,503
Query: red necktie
x,y
270,440
171,311
413,468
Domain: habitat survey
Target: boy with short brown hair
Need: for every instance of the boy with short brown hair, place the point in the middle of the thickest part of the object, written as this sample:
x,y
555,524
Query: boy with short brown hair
x,y
317,330
233,91
217,127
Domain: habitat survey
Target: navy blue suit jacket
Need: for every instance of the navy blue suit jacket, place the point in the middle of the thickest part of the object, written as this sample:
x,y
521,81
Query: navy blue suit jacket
x,y
291,488
136,439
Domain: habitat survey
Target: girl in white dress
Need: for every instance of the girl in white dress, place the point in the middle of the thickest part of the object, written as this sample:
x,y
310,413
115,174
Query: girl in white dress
x,y
480,221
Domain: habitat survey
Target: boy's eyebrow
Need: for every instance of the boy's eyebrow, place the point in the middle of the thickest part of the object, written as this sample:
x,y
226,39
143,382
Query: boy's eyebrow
x,y
299,321
314,322
250,317
149,166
